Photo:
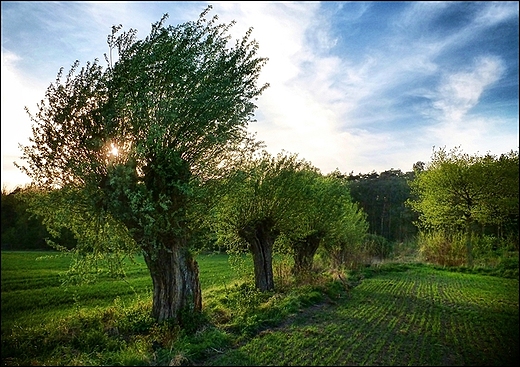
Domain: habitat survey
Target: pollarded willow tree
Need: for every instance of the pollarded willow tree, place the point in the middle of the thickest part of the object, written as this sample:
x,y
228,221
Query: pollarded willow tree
x,y
330,218
259,203
120,151
348,225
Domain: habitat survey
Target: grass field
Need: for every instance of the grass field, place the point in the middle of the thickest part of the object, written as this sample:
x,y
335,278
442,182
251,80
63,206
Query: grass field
x,y
396,315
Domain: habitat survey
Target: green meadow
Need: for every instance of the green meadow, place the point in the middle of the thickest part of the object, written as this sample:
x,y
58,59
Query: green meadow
x,y
392,314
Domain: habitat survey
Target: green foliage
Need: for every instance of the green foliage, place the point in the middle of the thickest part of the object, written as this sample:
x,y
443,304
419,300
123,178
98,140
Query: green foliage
x,y
491,254
259,200
459,193
263,189
23,231
457,189
443,248
406,251
383,197
377,246
327,216
344,246
102,243
241,263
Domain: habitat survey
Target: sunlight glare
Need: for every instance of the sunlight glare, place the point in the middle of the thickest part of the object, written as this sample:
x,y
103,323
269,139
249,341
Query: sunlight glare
x,y
114,150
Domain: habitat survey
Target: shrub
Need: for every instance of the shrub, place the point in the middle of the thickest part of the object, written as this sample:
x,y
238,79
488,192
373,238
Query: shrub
x,y
442,249
377,246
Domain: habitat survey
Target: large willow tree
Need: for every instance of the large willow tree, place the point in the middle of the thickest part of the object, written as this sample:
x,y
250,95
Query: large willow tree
x,y
119,151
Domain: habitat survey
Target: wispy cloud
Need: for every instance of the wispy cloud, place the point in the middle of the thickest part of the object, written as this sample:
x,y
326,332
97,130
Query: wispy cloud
x,y
496,12
459,92
369,110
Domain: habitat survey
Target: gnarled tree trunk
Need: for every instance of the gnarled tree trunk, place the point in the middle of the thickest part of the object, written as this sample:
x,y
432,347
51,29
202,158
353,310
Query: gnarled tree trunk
x,y
176,286
260,238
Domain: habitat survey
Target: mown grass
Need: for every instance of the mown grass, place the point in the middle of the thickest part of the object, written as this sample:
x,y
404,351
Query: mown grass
x,y
393,314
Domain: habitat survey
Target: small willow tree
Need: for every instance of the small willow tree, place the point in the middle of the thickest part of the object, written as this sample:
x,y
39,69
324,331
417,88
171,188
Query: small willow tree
x,y
119,152
330,219
259,203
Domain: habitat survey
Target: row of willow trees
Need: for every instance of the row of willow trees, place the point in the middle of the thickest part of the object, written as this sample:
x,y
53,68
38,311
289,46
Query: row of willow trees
x,y
266,204
285,200
382,197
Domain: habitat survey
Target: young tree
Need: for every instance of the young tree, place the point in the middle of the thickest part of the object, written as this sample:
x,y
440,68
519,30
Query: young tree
x,y
458,190
260,200
120,150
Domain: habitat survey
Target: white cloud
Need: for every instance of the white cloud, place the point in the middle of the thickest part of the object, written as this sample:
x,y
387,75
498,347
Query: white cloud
x,y
317,104
297,112
419,13
496,12
476,135
17,92
461,91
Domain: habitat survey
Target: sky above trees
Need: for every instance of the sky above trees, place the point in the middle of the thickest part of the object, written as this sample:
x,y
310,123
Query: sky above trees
x,y
357,86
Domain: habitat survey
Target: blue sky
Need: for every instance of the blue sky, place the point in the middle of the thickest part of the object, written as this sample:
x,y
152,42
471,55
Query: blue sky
x,y
357,86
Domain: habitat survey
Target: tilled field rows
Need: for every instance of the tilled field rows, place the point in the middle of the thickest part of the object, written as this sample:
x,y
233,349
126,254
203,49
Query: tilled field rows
x,y
416,317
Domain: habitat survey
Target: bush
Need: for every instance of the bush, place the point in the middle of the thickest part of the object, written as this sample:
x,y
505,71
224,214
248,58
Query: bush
x,y
377,246
442,249
490,254
406,251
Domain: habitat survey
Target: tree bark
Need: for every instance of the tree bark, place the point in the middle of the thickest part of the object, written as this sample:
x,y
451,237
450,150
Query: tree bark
x,y
304,254
176,285
469,246
261,239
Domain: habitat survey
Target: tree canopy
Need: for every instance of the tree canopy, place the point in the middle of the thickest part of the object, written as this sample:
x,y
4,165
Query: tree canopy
x,y
327,216
261,201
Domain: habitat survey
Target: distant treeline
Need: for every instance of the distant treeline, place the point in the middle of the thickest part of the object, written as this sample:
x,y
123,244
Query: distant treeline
x,y
382,197
23,231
